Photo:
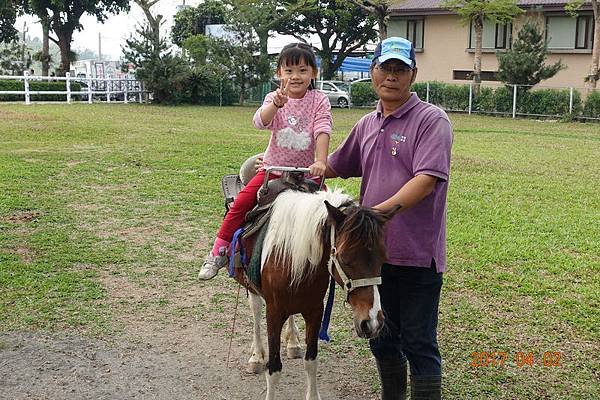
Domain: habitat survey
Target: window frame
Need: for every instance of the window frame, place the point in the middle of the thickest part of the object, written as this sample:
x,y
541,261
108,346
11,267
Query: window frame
x,y
507,37
589,34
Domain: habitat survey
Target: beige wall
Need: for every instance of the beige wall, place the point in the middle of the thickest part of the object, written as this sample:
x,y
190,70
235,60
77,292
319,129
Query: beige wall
x,y
445,42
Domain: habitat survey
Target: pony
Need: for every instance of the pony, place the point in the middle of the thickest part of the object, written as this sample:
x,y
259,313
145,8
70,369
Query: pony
x,y
310,238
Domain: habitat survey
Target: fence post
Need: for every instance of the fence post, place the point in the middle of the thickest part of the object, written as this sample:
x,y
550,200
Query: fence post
x,y
140,91
221,92
470,97
107,84
126,94
68,85
570,100
427,95
514,113
26,84
89,90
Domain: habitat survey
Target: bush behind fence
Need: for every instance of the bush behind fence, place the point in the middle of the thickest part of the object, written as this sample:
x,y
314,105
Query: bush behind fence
x,y
499,100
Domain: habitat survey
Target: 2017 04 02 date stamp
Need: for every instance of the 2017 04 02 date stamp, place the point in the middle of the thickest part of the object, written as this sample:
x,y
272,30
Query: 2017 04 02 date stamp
x,y
521,359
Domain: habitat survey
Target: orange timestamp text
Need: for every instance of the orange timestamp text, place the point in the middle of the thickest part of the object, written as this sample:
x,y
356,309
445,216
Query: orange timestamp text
x,y
521,359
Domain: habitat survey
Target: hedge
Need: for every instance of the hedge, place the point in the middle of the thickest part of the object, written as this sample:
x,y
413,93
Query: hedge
x,y
451,97
363,94
10,85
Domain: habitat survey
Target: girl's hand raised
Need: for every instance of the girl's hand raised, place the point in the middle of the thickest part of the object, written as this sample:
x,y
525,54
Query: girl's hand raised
x,y
281,96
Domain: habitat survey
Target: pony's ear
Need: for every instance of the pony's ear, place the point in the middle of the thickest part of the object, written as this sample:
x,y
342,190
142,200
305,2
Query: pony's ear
x,y
335,214
384,217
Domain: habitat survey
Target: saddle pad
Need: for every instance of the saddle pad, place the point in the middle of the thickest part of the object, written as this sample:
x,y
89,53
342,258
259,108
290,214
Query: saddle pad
x,y
254,265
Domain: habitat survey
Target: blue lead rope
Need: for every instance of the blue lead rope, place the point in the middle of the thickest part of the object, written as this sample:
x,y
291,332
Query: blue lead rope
x,y
236,242
327,314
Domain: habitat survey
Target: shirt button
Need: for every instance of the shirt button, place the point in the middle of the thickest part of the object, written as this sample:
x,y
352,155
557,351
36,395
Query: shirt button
x,y
381,130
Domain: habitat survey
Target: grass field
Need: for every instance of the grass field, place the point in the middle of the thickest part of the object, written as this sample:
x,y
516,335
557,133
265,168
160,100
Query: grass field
x,y
93,191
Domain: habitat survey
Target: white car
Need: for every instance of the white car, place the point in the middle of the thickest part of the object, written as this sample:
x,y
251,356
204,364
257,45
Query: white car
x,y
336,91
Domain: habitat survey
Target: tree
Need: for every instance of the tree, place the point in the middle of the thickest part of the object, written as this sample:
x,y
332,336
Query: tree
x,y
164,74
63,18
193,20
594,75
232,58
10,59
476,12
341,27
264,17
380,10
524,64
9,9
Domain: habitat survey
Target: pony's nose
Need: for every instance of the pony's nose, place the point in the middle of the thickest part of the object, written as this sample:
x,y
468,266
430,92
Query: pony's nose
x,y
369,328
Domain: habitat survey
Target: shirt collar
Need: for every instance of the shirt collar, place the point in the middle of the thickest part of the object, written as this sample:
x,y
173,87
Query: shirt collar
x,y
412,101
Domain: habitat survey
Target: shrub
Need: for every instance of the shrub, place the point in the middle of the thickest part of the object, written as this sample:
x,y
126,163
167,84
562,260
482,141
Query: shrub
x,y
455,97
592,105
548,102
10,85
363,94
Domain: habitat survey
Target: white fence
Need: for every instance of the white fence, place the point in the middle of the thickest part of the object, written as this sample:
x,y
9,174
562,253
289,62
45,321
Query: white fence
x,y
513,100
110,89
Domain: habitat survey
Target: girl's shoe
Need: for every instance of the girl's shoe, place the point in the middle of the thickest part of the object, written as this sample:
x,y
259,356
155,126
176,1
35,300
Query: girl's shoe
x,y
211,266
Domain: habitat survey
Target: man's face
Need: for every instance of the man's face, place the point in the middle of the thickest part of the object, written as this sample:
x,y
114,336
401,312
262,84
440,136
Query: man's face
x,y
392,80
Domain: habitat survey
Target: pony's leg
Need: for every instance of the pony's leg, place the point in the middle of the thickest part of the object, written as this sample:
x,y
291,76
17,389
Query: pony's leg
x,y
291,338
256,363
313,324
275,321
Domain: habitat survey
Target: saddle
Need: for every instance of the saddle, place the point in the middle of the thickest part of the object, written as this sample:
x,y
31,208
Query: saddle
x,y
254,230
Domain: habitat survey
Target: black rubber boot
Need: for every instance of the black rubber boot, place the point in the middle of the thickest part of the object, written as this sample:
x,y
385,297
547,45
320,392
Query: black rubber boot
x,y
393,377
426,387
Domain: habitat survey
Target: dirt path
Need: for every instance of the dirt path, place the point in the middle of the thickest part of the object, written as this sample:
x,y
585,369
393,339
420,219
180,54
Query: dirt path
x,y
161,354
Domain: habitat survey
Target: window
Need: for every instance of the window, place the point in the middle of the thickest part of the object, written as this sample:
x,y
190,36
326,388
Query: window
x,y
328,87
467,75
411,29
494,36
584,34
567,33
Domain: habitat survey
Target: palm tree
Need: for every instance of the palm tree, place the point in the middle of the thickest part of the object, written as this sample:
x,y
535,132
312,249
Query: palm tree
x,y
476,12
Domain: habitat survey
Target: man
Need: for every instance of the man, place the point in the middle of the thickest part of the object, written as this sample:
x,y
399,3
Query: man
x,y
402,152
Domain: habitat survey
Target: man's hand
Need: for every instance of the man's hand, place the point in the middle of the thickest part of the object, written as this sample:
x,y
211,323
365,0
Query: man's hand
x,y
318,168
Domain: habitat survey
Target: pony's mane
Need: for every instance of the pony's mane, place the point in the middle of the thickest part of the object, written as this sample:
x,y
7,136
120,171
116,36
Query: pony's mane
x,y
362,227
295,229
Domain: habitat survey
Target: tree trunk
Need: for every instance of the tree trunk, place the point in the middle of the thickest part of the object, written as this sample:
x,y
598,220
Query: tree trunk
x,y
478,25
64,43
45,47
382,30
593,77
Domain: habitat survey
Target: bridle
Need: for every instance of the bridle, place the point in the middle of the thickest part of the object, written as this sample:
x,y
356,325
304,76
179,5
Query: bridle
x,y
348,284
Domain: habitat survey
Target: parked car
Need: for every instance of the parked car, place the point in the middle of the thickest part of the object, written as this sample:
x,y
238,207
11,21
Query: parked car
x,y
336,91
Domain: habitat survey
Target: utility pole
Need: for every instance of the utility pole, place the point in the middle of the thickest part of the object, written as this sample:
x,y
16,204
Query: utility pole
x,y
99,46
25,29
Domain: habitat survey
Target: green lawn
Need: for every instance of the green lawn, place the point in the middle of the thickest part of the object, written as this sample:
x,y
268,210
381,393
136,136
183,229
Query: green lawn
x,y
134,190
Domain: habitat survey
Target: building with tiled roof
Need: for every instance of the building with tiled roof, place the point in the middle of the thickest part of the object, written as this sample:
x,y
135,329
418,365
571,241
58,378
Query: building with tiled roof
x,y
445,46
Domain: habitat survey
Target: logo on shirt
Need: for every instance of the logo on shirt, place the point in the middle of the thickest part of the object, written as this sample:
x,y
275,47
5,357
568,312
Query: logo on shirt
x,y
397,138
293,121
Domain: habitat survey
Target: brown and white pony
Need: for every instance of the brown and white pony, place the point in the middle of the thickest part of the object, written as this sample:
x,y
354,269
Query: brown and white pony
x,y
311,237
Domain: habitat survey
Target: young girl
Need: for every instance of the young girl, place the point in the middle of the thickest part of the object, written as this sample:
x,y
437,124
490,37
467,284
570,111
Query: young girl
x,y
299,119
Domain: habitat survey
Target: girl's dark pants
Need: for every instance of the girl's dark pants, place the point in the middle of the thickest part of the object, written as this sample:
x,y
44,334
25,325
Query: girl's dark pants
x,y
410,297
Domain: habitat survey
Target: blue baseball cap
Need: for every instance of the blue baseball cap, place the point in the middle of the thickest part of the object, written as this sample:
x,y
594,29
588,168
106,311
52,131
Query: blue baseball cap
x,y
395,48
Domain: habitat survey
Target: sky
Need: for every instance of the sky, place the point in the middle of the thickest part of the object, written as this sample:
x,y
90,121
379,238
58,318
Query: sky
x,y
114,31
117,28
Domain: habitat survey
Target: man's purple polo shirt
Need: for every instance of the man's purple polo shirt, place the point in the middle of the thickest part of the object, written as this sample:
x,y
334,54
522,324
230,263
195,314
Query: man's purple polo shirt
x,y
387,152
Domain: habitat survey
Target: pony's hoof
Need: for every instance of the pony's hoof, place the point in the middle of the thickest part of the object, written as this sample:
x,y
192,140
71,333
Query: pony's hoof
x,y
294,352
255,368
